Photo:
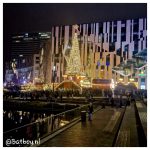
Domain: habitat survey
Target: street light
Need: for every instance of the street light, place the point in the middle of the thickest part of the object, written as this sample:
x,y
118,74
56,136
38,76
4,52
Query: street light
x,y
53,76
112,87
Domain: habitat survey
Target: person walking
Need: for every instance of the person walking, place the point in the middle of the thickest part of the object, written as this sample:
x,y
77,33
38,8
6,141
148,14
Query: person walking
x,y
90,111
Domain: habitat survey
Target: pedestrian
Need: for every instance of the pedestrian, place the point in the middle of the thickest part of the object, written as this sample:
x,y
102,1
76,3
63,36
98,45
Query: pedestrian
x,y
90,111
120,102
112,102
61,97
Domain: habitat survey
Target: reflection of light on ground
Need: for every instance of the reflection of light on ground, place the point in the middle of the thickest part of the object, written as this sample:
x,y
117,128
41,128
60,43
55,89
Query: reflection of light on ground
x,y
63,122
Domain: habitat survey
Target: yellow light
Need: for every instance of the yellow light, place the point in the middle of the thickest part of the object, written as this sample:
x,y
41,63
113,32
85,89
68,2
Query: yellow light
x,y
120,79
112,85
131,79
81,81
62,124
82,76
64,75
78,77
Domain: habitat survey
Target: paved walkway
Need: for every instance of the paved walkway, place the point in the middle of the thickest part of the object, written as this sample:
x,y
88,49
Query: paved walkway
x,y
99,132
128,136
142,110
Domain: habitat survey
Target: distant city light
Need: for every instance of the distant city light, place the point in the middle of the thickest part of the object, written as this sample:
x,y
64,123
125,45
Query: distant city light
x,y
26,34
24,82
143,87
68,47
142,74
17,41
4,84
120,79
81,81
54,67
132,79
112,84
98,63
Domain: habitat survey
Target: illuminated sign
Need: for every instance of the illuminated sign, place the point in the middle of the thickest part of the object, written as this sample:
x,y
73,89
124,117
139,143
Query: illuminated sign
x,y
142,75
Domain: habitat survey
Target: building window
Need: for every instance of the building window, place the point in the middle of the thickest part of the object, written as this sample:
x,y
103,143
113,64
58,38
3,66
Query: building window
x,y
119,51
143,80
111,47
36,68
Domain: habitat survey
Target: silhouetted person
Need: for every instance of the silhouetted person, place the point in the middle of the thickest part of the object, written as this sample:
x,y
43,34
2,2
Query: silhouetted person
x,y
112,102
61,97
90,111
103,105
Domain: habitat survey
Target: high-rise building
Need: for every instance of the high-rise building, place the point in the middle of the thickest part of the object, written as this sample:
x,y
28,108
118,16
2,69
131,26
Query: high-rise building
x,y
27,44
25,50
24,45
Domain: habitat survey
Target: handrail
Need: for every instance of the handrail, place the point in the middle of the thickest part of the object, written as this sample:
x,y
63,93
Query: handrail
x,y
44,118
70,110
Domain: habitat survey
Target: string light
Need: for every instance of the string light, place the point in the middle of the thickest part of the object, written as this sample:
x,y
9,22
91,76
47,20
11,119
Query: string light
x,y
74,62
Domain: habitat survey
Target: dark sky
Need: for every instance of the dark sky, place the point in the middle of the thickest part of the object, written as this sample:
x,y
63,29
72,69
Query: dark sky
x,y
40,17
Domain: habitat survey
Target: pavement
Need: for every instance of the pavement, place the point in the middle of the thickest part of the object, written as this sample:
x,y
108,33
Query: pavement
x,y
128,134
99,132
142,110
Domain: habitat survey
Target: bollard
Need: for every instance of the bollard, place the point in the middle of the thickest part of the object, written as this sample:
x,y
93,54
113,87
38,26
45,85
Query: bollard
x,y
103,105
83,116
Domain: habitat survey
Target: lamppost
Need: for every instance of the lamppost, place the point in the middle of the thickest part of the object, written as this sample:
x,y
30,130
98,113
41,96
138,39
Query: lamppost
x,y
53,76
72,89
112,87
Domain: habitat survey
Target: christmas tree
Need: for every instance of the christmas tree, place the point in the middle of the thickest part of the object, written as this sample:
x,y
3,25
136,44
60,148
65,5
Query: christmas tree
x,y
74,62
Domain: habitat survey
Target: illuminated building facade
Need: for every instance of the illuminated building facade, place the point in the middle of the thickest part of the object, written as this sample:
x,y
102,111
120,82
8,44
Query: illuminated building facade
x,y
105,50
24,75
102,47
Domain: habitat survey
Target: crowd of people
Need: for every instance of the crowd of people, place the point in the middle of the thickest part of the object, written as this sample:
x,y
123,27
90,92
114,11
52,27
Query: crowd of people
x,y
49,94
89,94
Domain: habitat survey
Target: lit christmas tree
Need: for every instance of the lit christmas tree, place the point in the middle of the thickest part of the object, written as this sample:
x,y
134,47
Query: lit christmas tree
x,y
74,62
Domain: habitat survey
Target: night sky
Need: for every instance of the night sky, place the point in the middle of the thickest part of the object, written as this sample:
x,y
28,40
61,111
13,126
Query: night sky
x,y
40,17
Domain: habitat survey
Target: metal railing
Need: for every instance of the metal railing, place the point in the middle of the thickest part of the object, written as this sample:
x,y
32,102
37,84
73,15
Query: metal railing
x,y
43,127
